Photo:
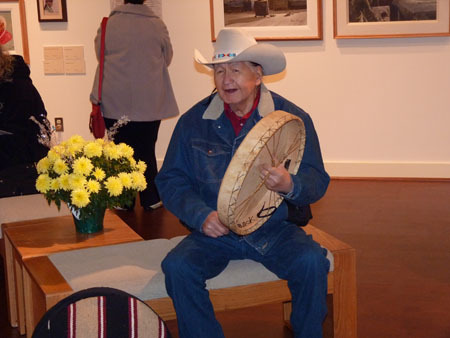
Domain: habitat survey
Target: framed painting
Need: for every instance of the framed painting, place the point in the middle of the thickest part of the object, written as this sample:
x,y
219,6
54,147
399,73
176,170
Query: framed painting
x,y
13,28
390,18
269,19
52,10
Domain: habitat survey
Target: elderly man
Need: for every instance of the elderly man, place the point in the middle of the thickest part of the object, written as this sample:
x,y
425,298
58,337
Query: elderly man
x,y
202,145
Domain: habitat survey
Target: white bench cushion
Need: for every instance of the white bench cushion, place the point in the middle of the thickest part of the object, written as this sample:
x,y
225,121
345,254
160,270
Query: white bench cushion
x,y
136,268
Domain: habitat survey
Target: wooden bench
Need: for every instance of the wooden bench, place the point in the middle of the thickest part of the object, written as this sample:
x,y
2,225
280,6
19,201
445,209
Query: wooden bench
x,y
13,210
45,236
44,286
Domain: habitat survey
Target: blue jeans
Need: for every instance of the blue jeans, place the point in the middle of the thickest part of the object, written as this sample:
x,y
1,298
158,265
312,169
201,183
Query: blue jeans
x,y
295,257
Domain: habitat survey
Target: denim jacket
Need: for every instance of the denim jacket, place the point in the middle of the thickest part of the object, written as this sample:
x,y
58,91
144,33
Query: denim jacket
x,y
198,155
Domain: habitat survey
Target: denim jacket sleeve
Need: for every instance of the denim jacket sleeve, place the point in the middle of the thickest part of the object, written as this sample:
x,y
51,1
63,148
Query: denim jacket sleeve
x,y
176,181
311,180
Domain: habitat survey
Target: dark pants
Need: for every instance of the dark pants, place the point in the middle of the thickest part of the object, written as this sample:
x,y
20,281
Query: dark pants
x,y
142,137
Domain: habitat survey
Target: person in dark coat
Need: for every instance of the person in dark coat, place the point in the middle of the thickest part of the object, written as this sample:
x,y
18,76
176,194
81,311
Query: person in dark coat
x,y
19,100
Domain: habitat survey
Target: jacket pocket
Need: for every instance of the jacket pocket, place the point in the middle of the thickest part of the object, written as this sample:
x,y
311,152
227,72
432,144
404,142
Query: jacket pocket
x,y
210,159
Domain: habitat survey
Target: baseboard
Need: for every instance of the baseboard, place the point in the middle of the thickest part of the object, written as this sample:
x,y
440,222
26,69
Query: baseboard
x,y
389,169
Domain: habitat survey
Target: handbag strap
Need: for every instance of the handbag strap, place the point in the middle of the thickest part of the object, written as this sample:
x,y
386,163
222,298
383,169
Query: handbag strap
x,y
102,58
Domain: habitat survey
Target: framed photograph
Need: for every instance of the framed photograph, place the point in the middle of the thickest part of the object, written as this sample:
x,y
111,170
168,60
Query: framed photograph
x,y
52,10
13,28
390,18
269,19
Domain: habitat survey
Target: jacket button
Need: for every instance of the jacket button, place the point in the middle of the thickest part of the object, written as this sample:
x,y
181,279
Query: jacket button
x,y
210,151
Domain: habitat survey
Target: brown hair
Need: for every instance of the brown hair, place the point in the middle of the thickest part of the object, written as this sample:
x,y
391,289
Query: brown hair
x,y
6,65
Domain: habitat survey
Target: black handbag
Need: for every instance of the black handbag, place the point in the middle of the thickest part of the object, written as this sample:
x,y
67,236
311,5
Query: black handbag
x,y
299,214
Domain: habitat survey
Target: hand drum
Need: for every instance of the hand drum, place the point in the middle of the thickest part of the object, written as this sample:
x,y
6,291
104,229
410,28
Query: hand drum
x,y
244,203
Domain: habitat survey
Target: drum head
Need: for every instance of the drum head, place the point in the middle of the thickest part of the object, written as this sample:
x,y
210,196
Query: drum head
x,y
244,203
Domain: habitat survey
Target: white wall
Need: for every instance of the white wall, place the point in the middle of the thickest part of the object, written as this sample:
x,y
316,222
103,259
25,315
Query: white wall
x,y
381,107
66,96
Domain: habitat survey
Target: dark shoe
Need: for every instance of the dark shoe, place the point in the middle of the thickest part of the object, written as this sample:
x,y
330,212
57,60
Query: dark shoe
x,y
153,206
124,209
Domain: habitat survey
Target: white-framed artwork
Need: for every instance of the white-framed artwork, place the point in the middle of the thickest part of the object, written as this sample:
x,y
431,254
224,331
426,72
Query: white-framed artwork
x,y
269,19
396,18
13,27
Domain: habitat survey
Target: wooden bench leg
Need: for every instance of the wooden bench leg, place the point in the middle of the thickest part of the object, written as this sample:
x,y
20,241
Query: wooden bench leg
x,y
10,284
43,288
18,272
287,310
344,295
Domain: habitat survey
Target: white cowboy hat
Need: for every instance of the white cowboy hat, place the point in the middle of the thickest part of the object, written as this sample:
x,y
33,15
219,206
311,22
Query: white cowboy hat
x,y
233,45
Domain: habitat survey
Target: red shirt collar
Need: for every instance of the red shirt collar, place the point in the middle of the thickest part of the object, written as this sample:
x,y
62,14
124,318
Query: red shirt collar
x,y
236,121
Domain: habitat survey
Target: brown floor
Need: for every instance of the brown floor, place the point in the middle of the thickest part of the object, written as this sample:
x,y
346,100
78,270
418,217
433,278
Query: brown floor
x,y
401,231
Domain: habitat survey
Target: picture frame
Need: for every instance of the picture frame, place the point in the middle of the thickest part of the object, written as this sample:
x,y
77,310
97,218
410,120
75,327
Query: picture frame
x,y
274,20
52,10
13,20
391,19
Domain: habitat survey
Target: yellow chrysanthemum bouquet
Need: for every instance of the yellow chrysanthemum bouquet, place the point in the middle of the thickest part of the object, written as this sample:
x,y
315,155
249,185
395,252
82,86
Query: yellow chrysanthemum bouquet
x,y
90,175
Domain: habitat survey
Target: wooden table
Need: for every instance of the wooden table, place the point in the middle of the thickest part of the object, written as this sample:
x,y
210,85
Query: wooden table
x,y
41,237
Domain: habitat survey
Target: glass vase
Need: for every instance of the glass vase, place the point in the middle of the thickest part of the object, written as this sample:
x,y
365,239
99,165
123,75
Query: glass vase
x,y
91,224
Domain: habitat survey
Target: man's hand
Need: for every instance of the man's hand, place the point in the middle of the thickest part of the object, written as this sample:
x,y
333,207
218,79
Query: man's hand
x,y
276,178
213,227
